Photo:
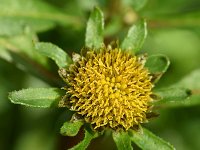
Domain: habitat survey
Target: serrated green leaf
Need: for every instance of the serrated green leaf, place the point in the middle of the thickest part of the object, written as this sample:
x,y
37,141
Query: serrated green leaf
x,y
146,140
71,128
52,51
37,97
94,30
89,135
172,95
157,65
122,140
40,16
134,40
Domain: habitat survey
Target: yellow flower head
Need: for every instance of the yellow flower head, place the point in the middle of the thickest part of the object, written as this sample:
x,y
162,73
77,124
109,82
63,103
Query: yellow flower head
x,y
109,88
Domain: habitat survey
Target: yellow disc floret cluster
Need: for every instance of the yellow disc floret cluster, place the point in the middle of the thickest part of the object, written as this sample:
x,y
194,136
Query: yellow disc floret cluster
x,y
109,88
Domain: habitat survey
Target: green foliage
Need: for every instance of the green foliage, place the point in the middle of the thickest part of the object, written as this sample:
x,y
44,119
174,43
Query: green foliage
x,y
89,135
135,37
71,128
122,140
39,15
148,141
136,4
190,80
61,58
157,64
172,95
37,97
94,30
173,30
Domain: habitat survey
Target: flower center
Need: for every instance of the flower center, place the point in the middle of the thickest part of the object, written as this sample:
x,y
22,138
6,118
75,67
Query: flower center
x,y
110,89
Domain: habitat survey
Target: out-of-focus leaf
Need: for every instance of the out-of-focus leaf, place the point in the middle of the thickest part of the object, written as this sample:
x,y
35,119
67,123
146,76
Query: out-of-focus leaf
x,y
4,54
31,140
37,97
146,140
136,4
23,44
21,51
157,65
172,95
190,81
193,100
134,40
52,51
9,27
38,15
71,128
89,135
122,140
180,19
94,30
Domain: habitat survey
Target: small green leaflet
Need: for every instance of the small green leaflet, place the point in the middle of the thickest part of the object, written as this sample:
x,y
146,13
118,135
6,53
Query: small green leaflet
x,y
71,128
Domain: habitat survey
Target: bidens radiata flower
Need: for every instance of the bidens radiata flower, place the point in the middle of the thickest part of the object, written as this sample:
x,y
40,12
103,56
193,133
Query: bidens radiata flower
x,y
108,88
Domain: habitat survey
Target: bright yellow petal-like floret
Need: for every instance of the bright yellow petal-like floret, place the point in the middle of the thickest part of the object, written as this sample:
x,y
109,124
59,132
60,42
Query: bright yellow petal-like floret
x,y
109,88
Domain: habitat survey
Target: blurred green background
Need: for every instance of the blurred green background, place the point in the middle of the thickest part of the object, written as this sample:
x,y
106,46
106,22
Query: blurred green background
x,y
173,29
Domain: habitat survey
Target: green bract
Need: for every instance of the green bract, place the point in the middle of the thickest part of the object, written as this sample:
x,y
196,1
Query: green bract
x,y
178,94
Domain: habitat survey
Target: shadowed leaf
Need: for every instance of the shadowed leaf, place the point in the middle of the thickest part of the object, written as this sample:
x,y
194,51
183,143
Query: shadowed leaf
x,y
89,135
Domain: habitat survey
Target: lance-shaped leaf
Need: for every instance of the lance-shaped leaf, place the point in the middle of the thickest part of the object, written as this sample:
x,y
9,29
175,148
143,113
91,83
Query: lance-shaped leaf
x,y
94,30
172,95
89,135
71,128
146,140
52,51
37,97
134,40
157,65
189,81
122,140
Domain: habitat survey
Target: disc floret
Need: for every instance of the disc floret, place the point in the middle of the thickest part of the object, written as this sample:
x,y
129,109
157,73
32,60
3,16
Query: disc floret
x,y
109,88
